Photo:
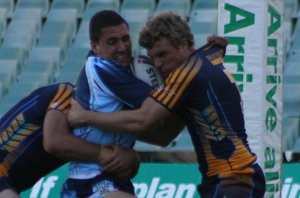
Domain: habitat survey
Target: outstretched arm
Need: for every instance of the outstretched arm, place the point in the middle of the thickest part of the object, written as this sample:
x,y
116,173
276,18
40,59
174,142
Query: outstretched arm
x,y
136,122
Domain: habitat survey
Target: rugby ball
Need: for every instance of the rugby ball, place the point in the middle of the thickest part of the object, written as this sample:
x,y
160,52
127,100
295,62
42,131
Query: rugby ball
x,y
143,69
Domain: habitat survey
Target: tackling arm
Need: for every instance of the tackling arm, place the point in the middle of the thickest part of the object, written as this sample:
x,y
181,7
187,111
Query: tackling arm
x,y
164,132
137,122
59,141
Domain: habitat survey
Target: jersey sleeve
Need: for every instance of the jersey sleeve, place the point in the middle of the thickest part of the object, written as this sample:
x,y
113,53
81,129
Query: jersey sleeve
x,y
177,86
62,99
124,86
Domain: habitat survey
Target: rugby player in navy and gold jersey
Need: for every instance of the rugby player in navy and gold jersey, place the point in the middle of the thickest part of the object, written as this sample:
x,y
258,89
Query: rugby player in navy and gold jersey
x,y
25,158
199,89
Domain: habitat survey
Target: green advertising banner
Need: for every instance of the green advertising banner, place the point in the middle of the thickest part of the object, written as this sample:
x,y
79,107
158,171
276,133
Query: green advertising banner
x,y
291,181
162,181
153,180
167,180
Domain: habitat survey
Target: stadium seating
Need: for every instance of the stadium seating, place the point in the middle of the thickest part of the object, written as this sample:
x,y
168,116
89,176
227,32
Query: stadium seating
x,y
9,6
291,76
42,67
135,24
24,42
205,5
23,88
27,27
8,74
70,71
78,5
63,41
204,15
14,54
48,54
200,39
29,14
180,7
82,38
66,16
73,64
290,126
41,4
150,5
3,21
9,101
94,6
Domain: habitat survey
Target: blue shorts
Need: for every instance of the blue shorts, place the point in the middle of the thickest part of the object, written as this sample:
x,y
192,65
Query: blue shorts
x,y
6,183
97,186
237,186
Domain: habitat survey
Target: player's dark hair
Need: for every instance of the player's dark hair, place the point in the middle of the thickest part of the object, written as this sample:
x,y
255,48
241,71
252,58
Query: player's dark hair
x,y
103,19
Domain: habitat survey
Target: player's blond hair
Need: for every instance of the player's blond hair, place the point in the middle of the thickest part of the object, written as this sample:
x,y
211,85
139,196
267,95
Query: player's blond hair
x,y
165,25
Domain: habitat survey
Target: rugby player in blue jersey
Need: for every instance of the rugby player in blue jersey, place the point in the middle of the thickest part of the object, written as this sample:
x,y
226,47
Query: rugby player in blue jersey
x,y
106,84
25,157
199,89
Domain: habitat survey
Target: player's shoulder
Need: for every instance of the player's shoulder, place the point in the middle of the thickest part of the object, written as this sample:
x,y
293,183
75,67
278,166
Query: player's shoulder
x,y
57,90
214,53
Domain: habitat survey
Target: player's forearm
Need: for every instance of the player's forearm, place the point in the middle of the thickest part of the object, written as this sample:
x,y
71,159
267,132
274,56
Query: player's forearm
x,y
131,121
123,121
59,141
71,148
164,132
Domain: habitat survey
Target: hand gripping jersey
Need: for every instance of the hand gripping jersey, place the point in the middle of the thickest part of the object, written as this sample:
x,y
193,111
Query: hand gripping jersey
x,y
23,159
207,98
105,86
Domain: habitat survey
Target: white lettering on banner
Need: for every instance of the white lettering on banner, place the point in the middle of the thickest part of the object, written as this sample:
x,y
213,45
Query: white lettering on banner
x,y
290,190
36,188
50,183
47,186
165,190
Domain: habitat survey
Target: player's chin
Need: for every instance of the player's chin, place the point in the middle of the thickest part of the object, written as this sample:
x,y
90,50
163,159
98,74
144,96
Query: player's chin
x,y
125,61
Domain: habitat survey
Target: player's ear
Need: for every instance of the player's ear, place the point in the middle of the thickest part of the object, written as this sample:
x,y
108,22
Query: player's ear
x,y
184,46
93,46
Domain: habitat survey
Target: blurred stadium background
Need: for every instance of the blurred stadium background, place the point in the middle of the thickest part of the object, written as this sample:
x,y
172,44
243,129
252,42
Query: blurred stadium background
x,y
45,41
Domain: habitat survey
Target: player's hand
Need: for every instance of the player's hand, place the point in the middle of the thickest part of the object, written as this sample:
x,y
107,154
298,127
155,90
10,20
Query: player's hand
x,y
76,115
123,163
218,40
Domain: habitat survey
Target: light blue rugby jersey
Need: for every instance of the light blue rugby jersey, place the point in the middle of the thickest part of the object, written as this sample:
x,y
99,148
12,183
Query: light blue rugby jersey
x,y
105,86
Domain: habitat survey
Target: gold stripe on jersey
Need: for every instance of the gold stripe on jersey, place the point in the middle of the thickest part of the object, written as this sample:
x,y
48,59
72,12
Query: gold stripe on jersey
x,y
11,138
191,69
240,158
216,58
229,76
171,87
62,99
177,82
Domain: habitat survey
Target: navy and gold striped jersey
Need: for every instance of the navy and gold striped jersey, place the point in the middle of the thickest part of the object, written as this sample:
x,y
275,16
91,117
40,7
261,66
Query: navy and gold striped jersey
x,y
207,98
23,159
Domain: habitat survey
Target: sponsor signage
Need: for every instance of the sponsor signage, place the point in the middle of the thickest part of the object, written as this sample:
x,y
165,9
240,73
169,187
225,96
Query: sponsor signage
x,y
254,56
161,180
